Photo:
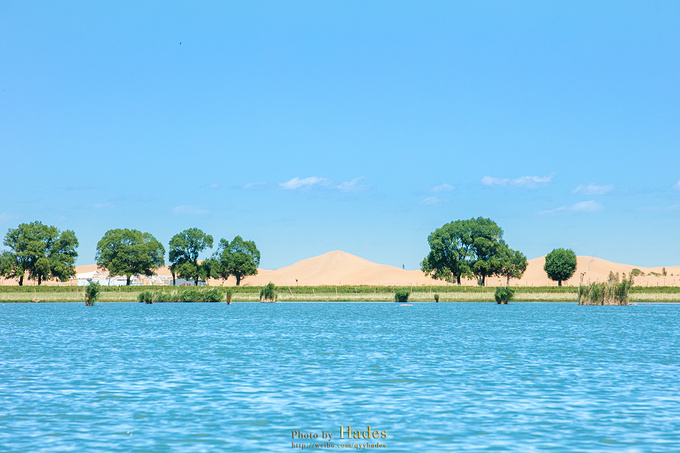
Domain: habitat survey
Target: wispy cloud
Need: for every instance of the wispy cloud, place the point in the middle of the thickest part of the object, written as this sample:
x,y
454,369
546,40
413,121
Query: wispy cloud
x,y
677,186
442,188
4,217
101,206
593,189
255,185
297,183
524,181
429,201
214,185
352,186
583,206
189,210
670,208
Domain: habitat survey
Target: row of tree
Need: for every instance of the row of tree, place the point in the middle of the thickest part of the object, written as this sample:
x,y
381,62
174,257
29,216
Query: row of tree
x,y
475,248
44,253
471,248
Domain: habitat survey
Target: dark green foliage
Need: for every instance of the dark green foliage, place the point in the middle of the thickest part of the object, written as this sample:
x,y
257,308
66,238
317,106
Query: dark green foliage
x,y
129,252
192,294
637,272
92,293
184,250
238,258
401,295
560,265
146,297
230,295
467,248
503,295
268,293
436,297
41,250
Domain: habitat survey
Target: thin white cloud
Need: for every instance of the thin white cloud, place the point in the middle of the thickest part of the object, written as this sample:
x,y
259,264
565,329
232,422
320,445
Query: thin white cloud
x,y
593,189
583,206
442,188
4,217
352,186
432,201
101,206
255,185
297,183
677,186
523,181
214,186
189,210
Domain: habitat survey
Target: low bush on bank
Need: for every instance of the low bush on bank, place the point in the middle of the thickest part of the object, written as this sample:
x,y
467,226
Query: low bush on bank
x,y
268,293
401,295
184,295
92,293
503,294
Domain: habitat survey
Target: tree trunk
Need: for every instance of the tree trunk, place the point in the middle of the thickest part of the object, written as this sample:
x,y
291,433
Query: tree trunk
x,y
559,283
238,280
507,283
173,279
21,281
196,281
39,279
458,279
128,280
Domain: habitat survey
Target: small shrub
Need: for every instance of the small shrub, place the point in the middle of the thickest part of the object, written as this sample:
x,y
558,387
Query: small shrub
x,y
146,297
268,293
436,297
92,293
230,294
401,295
636,272
503,294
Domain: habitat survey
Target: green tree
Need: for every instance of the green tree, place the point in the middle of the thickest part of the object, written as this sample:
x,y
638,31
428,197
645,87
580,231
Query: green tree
x,y
41,250
238,258
513,264
560,265
184,250
465,248
129,252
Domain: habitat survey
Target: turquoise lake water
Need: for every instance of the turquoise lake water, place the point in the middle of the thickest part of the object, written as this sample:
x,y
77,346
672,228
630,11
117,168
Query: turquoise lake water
x,y
434,377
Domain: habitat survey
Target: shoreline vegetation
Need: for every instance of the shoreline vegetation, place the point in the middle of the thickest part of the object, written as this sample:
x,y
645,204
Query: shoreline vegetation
x,y
663,294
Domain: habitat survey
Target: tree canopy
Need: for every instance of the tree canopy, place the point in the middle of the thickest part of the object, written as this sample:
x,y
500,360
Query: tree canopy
x,y
560,265
41,250
470,248
129,252
238,258
184,250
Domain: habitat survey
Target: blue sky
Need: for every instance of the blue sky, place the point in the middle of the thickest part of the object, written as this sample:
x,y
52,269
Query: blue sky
x,y
311,126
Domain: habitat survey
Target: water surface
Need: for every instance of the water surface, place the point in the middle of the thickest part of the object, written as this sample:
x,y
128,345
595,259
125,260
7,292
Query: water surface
x,y
435,377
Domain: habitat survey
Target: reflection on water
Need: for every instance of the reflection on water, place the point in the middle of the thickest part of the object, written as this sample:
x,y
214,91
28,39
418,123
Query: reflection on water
x,y
435,377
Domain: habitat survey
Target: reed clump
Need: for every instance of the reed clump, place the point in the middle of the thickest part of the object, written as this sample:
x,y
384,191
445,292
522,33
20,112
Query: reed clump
x,y
92,293
503,294
268,293
401,295
612,292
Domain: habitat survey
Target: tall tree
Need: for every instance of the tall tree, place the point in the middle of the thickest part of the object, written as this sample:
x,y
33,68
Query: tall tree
x,y
465,248
238,258
129,252
450,252
513,264
184,250
560,265
41,250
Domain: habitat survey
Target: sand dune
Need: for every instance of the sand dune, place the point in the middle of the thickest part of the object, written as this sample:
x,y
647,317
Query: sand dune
x,y
340,268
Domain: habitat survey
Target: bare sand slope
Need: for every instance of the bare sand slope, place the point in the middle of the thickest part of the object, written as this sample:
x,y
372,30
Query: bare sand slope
x,y
338,268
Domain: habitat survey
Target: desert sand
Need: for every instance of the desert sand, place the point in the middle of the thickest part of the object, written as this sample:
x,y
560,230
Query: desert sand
x,y
339,268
